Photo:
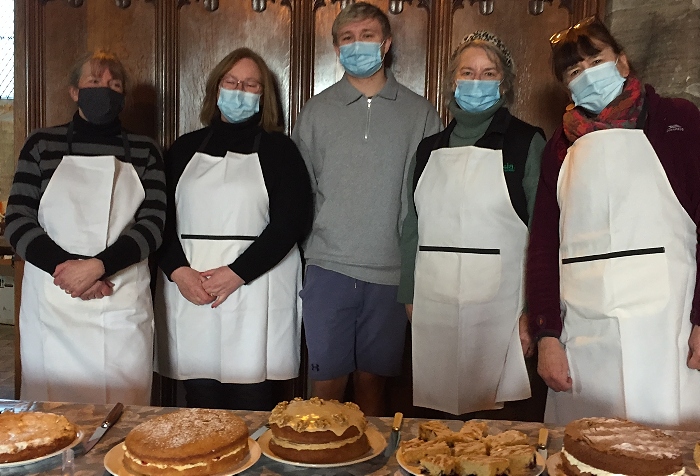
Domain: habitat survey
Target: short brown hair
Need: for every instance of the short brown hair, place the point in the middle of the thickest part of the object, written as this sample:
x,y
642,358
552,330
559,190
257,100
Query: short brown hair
x,y
495,55
99,61
360,11
270,119
576,43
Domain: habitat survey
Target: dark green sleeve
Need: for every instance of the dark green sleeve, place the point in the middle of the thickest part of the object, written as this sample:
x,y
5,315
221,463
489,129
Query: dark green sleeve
x,y
409,242
531,175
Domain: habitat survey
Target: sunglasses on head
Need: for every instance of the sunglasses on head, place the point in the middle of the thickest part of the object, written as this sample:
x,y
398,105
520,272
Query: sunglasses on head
x,y
560,35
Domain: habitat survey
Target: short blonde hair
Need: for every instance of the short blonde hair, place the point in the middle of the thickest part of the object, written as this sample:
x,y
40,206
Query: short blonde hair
x,y
270,106
495,55
360,11
99,61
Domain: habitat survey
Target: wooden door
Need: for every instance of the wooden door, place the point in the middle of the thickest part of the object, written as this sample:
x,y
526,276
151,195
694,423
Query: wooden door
x,y
169,47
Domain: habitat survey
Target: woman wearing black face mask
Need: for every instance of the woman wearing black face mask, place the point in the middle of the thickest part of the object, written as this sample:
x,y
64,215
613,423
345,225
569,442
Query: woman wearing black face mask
x,y
612,290
239,199
86,209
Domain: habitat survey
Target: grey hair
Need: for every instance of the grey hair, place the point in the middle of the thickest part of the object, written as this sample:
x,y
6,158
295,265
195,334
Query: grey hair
x,y
360,11
496,55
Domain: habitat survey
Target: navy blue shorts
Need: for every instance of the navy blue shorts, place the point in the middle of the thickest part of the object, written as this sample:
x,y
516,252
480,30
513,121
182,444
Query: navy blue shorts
x,y
351,325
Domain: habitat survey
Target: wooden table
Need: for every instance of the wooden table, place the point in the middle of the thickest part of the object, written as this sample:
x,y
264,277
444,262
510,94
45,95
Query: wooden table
x,y
88,417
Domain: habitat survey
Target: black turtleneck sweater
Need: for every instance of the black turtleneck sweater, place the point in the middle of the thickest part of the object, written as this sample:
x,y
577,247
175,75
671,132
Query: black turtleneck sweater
x,y
286,180
40,157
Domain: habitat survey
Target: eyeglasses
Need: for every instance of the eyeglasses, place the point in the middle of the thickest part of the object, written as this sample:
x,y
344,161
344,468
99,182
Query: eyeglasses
x,y
249,85
557,37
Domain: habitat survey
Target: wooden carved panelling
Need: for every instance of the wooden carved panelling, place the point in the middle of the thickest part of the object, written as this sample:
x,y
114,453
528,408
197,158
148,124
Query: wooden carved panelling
x,y
205,38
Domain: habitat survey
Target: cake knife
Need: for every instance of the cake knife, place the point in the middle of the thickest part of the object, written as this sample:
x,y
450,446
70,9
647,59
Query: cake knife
x,y
542,443
395,436
111,419
259,432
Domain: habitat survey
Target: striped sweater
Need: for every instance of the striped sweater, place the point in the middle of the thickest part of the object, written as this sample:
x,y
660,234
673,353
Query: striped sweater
x,y
38,160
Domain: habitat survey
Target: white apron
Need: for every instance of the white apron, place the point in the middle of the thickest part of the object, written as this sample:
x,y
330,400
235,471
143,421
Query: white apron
x,y
468,285
627,282
222,206
97,351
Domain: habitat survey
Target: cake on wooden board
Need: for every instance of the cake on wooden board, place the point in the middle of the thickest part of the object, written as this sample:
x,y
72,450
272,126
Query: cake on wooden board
x,y
318,431
597,445
187,442
29,435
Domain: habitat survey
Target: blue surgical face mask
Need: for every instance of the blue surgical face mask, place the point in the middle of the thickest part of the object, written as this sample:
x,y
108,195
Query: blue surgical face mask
x,y
596,87
362,58
237,105
473,95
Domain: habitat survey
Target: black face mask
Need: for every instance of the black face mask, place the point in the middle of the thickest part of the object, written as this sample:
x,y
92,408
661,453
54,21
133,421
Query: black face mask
x,y
100,105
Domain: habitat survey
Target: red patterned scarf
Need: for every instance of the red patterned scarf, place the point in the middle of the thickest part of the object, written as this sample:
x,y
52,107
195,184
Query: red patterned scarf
x,y
622,113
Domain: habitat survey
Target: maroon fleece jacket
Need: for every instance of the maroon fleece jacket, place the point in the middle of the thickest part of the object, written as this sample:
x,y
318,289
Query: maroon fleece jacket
x,y
673,129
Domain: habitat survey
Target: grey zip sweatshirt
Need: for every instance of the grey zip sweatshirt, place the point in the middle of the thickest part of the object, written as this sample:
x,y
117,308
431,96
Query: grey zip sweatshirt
x,y
357,151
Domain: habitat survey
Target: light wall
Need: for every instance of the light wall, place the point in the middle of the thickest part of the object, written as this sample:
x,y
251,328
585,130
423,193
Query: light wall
x,y
662,39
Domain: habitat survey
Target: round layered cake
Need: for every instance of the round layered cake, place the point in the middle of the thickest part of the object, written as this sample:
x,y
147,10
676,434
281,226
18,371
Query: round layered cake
x,y
29,435
596,446
318,431
187,442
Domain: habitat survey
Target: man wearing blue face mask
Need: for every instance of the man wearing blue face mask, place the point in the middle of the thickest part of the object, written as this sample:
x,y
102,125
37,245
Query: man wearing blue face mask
x,y
356,138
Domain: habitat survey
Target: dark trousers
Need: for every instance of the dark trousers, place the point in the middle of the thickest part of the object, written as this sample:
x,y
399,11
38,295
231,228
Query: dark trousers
x,y
209,393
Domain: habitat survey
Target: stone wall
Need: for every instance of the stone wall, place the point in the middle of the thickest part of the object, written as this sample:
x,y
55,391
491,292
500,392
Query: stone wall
x,y
662,40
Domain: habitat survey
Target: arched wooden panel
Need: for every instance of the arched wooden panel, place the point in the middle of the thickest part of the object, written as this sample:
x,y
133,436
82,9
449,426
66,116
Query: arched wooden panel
x,y
70,32
539,98
205,38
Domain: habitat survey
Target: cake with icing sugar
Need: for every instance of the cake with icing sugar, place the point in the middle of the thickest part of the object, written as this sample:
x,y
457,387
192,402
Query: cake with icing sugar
x,y
318,431
188,442
605,446
29,435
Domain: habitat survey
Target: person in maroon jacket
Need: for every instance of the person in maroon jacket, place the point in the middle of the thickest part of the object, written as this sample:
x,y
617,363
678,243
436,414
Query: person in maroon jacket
x,y
612,262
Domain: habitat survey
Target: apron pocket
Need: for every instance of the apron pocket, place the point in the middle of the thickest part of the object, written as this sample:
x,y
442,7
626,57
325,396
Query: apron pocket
x,y
458,275
634,280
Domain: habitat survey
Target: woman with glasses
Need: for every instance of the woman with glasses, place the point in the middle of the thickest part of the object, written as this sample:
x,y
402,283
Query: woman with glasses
x,y
464,241
239,201
612,262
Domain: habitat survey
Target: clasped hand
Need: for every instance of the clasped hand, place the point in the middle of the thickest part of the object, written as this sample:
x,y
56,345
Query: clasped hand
x,y
211,286
81,278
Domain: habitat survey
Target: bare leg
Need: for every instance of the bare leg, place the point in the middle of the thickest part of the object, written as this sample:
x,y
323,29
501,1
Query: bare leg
x,y
329,389
369,393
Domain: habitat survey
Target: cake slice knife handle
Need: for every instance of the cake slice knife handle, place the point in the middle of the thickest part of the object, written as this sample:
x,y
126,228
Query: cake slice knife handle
x,y
395,436
542,443
112,418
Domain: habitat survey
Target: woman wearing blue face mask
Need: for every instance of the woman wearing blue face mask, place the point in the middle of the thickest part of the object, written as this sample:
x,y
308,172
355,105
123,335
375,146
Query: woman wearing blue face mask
x,y
612,263
464,241
239,201
86,210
